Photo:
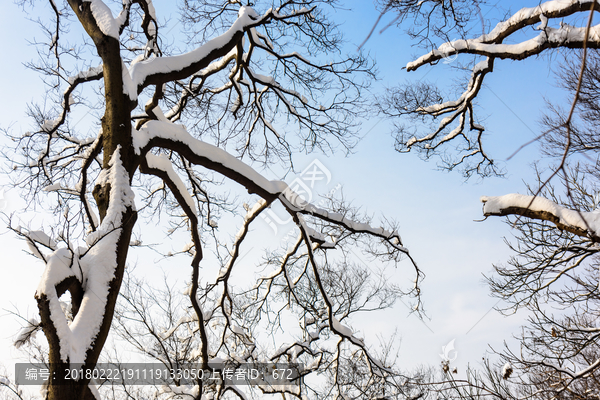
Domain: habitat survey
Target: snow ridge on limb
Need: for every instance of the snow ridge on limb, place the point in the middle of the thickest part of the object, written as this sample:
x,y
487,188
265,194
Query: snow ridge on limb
x,y
35,239
176,137
164,164
491,44
564,36
59,268
586,224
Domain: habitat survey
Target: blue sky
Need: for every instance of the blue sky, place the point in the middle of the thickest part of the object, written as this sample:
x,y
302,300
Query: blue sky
x,y
436,210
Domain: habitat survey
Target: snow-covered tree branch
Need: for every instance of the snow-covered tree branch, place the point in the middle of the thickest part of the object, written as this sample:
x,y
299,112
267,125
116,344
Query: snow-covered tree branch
x,y
457,122
580,223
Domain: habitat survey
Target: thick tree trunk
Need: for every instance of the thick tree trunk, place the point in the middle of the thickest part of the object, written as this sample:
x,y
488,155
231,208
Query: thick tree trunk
x,y
116,136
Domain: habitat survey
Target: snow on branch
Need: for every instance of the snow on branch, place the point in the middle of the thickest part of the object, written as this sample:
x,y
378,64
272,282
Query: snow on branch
x,y
164,164
93,73
565,36
459,109
533,15
175,137
458,120
491,44
35,239
162,69
586,224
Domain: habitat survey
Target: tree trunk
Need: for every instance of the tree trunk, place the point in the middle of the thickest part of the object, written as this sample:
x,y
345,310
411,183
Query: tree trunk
x,y
116,136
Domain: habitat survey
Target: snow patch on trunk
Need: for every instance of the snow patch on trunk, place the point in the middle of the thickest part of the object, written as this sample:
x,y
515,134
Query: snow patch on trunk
x,y
94,270
104,18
